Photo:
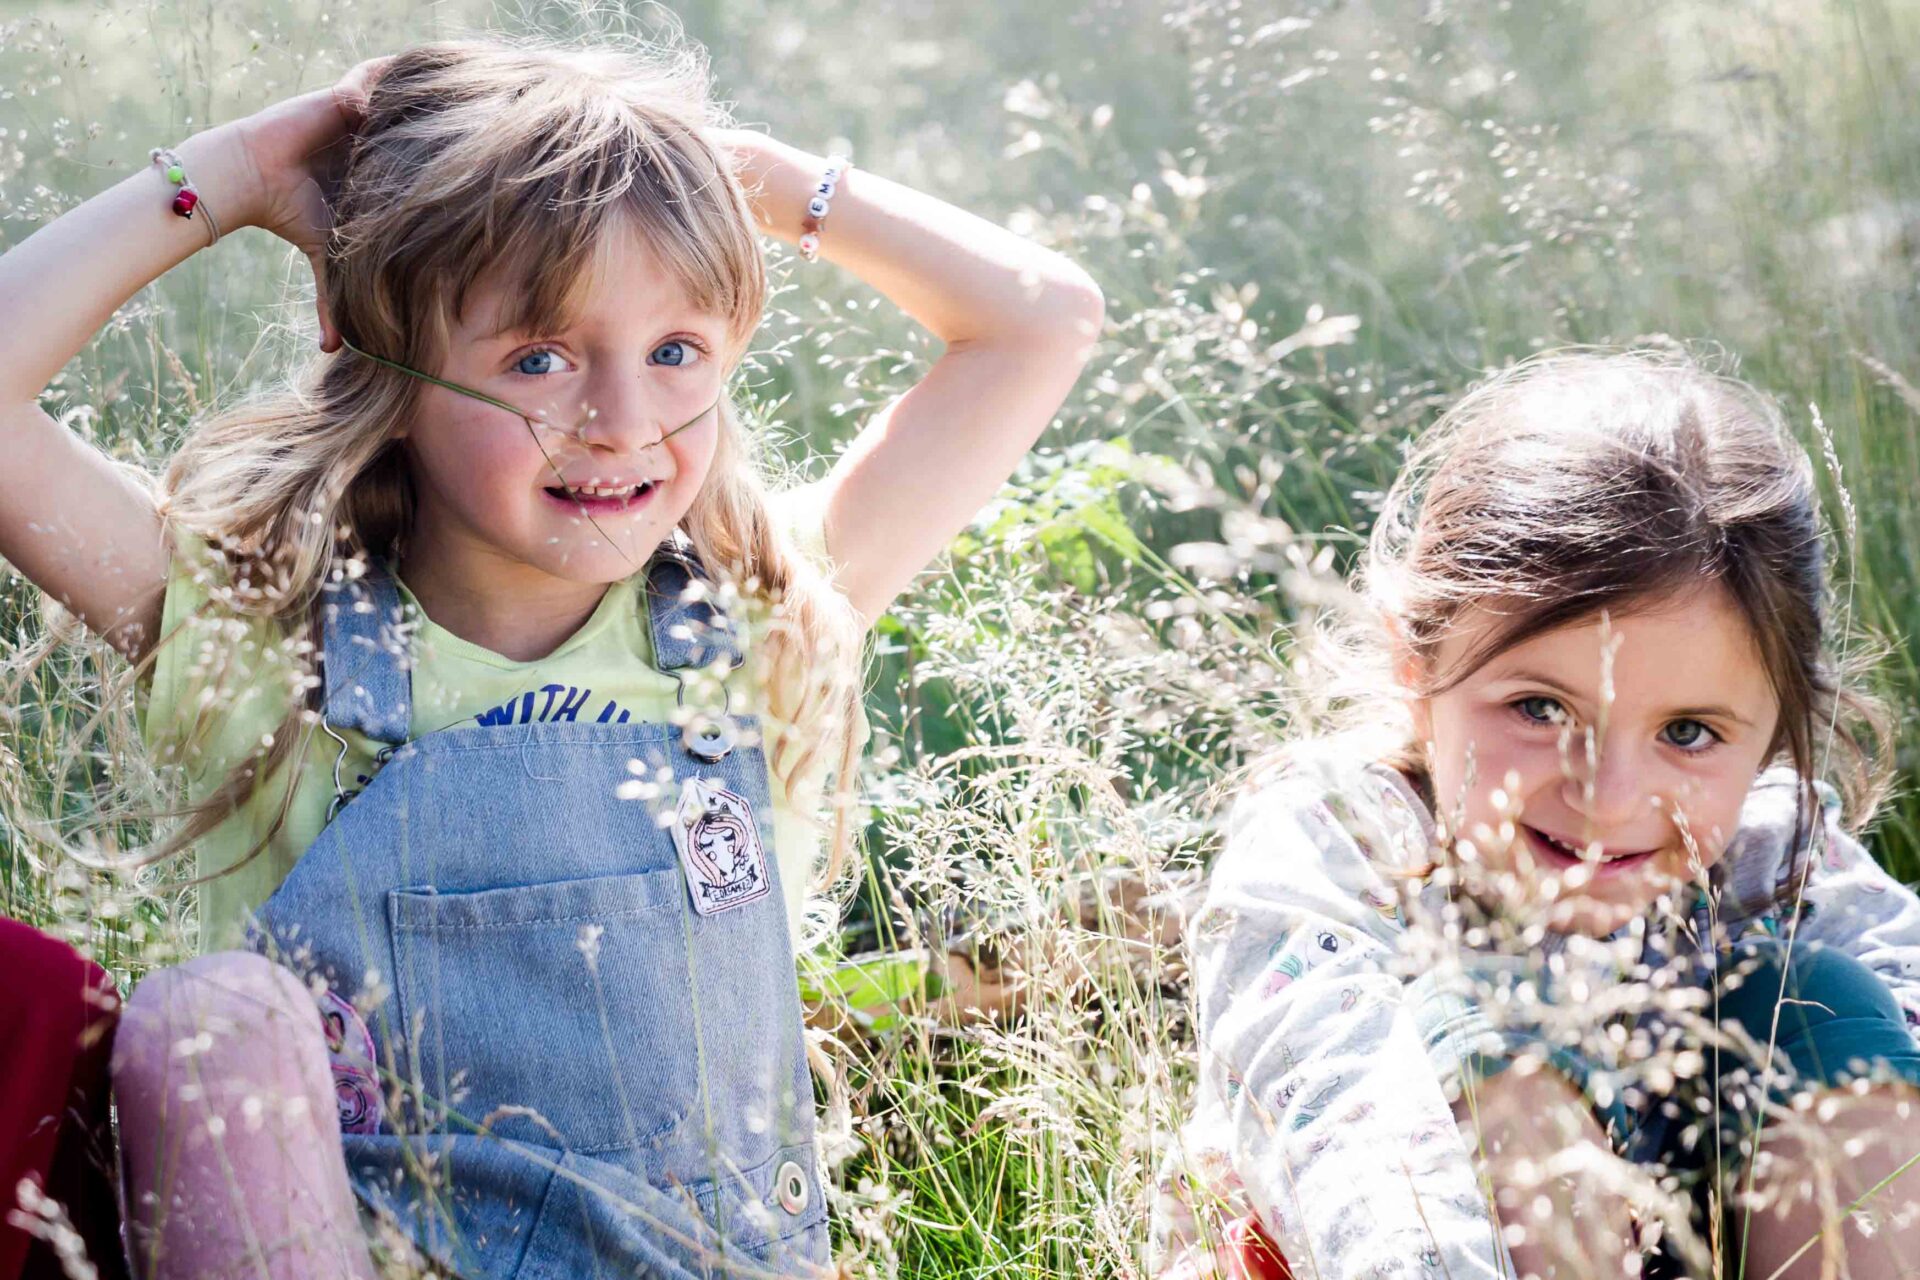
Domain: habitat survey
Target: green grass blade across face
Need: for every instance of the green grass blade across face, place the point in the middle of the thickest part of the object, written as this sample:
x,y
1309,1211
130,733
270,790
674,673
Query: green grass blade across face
x,y
533,426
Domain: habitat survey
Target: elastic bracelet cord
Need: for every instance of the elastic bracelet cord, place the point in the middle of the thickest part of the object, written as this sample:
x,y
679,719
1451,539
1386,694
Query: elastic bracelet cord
x,y
187,199
820,205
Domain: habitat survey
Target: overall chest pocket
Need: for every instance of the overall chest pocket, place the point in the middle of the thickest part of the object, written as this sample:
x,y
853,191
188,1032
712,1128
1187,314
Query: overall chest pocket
x,y
558,1014
602,1015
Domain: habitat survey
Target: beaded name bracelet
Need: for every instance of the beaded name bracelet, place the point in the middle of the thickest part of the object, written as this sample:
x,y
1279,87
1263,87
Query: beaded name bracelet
x,y
819,206
187,199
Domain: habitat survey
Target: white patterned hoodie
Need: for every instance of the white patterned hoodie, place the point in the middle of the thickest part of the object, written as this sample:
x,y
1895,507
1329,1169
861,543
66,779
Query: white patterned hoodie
x,y
1324,1100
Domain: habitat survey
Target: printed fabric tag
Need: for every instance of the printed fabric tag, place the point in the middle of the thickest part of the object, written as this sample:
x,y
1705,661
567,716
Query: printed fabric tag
x,y
719,847
350,1054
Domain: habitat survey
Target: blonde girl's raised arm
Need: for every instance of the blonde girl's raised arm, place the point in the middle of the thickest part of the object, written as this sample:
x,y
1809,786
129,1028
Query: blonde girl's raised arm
x,y
76,523
1018,323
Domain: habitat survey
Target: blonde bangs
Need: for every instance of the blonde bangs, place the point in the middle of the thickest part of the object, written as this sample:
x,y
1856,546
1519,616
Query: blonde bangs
x,y
569,185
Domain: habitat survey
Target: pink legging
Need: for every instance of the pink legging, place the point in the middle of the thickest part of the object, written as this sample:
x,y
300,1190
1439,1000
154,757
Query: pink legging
x,y
230,1137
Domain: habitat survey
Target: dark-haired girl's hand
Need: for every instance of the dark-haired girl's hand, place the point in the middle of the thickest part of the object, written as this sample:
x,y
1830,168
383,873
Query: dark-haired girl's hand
x,y
298,152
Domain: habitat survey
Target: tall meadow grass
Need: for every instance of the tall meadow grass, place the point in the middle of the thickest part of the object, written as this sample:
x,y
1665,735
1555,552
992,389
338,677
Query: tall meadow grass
x,y
1315,223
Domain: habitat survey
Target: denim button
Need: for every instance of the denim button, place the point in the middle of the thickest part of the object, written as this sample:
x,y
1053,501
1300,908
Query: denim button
x,y
710,742
791,1186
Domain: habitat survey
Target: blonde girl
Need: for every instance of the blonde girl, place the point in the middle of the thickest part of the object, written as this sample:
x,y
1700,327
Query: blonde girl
x,y
461,636
1572,883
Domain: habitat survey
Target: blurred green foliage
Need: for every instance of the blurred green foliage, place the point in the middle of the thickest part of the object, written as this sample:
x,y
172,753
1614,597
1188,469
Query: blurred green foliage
x,y
1315,224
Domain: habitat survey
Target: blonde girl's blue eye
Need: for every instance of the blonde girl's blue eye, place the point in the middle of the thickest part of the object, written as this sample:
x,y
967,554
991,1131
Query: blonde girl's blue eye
x,y
676,353
1702,739
538,353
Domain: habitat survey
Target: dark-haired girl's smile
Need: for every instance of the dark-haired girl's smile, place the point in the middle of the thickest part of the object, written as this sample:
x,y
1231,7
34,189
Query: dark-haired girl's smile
x,y
1622,749
1555,854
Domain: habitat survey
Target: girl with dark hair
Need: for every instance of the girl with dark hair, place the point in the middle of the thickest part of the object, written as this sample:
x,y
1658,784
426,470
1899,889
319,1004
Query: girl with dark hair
x,y
1561,932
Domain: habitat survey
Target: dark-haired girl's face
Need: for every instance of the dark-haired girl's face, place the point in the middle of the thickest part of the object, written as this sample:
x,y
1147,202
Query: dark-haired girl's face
x,y
587,496
1592,767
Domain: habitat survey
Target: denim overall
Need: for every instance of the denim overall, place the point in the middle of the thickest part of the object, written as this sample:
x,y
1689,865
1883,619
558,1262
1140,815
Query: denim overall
x,y
581,1074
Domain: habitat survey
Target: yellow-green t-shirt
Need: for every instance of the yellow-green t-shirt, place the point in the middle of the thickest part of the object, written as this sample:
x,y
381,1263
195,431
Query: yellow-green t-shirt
x,y
223,682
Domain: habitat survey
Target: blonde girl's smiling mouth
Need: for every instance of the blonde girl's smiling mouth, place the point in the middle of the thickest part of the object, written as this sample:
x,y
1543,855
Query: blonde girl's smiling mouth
x,y
596,497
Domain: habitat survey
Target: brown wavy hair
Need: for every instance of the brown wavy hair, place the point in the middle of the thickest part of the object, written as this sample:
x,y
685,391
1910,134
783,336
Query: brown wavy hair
x,y
1602,479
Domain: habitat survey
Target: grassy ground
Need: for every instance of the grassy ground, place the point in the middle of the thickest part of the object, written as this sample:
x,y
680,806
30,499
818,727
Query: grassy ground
x,y
1315,223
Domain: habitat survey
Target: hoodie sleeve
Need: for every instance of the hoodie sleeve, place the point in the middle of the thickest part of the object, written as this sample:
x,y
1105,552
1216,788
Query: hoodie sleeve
x,y
1341,1133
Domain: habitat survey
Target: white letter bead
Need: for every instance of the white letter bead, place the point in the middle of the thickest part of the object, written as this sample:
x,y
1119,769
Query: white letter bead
x,y
818,206
825,189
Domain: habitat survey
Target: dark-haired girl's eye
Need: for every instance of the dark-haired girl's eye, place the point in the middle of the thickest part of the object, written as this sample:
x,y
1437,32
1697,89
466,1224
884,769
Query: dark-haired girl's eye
x,y
1540,710
676,353
1690,735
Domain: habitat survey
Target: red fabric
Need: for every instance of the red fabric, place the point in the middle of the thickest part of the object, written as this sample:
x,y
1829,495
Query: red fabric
x,y
1244,1253
1257,1257
57,1015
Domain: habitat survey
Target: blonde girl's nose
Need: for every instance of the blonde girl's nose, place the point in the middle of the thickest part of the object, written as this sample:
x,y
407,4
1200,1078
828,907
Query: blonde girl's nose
x,y
626,418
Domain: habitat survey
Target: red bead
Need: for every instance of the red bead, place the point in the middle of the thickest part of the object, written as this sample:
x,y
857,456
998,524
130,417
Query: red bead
x,y
184,201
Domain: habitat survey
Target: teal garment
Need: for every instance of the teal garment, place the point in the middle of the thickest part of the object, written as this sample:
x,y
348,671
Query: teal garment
x,y
1838,1022
564,947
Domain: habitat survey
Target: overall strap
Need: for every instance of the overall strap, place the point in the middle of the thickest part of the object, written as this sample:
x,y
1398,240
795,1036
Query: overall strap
x,y
690,630
366,658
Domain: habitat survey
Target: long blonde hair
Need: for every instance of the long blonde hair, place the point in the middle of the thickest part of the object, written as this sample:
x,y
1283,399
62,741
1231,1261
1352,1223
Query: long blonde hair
x,y
475,158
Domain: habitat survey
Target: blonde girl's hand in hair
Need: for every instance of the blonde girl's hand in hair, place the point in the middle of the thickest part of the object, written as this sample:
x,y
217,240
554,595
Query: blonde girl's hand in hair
x,y
298,150
1018,323
83,528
